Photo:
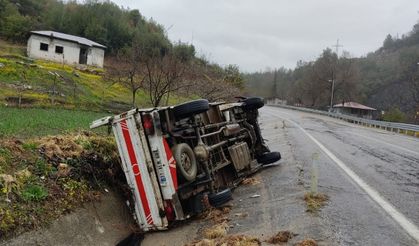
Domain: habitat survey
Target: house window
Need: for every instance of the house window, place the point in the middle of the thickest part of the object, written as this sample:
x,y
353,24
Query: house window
x,y
43,47
59,49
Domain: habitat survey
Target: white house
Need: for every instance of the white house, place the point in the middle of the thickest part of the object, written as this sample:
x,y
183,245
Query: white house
x,y
65,48
354,109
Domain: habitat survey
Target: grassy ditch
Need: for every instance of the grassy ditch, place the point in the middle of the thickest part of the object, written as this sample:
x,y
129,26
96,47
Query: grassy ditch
x,y
41,179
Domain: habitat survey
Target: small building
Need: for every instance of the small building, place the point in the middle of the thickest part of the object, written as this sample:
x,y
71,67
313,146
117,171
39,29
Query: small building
x,y
275,101
354,109
65,48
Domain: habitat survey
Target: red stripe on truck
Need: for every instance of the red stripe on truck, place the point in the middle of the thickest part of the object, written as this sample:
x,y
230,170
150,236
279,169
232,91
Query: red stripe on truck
x,y
171,161
136,171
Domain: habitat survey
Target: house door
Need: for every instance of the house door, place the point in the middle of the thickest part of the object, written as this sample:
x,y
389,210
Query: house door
x,y
83,56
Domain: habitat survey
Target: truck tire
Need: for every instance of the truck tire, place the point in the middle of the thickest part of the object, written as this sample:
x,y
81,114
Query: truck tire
x,y
269,157
188,109
185,161
220,198
252,103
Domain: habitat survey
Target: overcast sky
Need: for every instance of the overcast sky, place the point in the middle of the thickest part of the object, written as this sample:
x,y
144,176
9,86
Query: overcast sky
x,y
257,34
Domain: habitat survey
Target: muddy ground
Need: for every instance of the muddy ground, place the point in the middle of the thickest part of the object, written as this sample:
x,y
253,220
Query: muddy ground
x,y
98,223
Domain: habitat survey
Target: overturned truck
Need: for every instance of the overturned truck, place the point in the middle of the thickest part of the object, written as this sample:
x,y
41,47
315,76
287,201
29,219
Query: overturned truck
x,y
177,158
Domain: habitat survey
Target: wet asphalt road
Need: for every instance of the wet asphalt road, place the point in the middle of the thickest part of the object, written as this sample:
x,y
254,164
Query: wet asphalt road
x,y
387,162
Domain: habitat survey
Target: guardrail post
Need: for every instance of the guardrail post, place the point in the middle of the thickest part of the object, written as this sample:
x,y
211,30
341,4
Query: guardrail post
x,y
314,173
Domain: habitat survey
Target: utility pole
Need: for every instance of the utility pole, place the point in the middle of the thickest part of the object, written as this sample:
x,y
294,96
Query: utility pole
x,y
275,85
337,46
331,96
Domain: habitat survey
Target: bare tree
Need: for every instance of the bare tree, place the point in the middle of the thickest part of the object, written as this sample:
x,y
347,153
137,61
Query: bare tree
x,y
168,73
22,86
54,87
409,73
347,76
125,69
215,83
329,73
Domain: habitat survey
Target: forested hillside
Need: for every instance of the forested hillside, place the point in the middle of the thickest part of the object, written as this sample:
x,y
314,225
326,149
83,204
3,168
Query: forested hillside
x,y
387,79
101,21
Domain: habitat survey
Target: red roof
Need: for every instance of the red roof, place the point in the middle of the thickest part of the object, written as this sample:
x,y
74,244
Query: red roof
x,y
353,105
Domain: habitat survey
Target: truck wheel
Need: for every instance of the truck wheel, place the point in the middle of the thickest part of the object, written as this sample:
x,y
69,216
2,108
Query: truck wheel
x,y
188,109
220,198
185,161
269,157
252,103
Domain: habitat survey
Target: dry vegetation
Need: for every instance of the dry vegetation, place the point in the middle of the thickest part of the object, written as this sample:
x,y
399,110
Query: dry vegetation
x,y
42,179
307,242
217,215
251,181
228,240
217,233
315,202
281,237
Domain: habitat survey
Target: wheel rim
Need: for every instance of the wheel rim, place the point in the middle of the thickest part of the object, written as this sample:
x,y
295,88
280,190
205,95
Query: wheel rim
x,y
186,162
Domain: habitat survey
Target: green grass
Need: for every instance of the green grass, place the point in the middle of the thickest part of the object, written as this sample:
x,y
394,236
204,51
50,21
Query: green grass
x,y
34,193
31,122
11,49
90,91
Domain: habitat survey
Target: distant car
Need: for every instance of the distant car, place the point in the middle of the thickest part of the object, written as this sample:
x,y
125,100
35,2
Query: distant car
x,y
177,157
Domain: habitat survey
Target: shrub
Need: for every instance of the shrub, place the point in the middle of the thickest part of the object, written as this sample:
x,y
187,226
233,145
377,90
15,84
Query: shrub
x,y
394,115
30,146
34,193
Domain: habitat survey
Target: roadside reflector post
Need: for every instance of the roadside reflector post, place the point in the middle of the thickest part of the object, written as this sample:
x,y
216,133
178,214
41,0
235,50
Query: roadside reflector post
x,y
314,173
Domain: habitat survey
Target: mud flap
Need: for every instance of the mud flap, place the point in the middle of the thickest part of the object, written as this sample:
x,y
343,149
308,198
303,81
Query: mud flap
x,y
133,239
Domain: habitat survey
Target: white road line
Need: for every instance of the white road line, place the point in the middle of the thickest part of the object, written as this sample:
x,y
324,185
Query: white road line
x,y
384,142
404,222
352,125
377,140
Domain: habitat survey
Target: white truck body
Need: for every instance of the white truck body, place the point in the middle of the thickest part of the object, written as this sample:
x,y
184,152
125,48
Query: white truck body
x,y
152,192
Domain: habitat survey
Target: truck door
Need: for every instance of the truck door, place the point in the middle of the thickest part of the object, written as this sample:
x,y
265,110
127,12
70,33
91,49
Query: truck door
x,y
164,162
139,171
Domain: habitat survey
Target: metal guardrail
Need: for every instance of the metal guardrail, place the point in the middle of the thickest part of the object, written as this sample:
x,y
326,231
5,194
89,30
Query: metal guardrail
x,y
389,126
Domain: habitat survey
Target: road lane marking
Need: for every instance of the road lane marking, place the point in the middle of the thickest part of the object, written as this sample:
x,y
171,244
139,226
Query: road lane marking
x,y
384,142
377,140
404,222
345,123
